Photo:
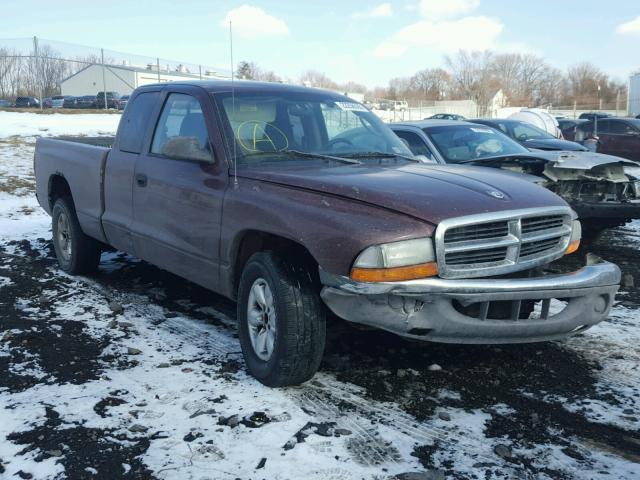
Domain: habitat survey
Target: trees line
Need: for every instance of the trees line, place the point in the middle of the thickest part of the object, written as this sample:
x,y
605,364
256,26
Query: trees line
x,y
525,80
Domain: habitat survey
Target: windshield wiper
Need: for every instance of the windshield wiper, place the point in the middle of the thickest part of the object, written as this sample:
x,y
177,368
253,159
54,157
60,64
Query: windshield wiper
x,y
297,153
507,156
380,155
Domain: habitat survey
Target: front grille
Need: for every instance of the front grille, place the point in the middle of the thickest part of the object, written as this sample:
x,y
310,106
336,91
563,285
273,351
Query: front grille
x,y
532,248
478,256
498,243
476,232
535,224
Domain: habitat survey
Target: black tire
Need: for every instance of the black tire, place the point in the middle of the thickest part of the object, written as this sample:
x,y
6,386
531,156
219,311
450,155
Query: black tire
x,y
299,317
83,252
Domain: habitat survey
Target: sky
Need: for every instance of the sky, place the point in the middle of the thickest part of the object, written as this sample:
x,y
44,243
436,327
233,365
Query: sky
x,y
367,42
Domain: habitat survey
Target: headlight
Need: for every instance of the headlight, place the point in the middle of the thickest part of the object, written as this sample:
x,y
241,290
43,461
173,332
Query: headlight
x,y
397,261
576,235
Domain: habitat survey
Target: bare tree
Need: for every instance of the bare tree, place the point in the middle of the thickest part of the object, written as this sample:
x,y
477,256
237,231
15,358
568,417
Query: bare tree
x,y
313,78
431,83
472,77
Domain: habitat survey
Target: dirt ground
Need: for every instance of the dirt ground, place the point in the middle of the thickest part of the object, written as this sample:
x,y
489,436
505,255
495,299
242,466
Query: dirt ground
x,y
135,373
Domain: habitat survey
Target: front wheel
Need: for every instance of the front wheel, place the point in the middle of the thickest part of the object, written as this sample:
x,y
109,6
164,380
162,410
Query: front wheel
x,y
282,323
76,252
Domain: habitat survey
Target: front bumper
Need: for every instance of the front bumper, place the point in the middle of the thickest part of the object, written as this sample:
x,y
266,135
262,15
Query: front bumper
x,y
606,210
437,310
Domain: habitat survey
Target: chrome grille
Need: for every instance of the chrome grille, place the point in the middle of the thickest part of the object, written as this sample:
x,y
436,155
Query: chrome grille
x,y
476,232
504,242
489,255
536,224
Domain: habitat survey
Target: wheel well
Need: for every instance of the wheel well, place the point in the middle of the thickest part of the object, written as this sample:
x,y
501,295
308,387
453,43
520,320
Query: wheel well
x,y
58,187
255,241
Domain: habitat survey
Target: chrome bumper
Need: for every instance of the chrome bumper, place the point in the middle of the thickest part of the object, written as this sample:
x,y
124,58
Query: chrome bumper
x,y
433,309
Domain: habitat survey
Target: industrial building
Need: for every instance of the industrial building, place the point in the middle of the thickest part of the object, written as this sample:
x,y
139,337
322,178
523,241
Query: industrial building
x,y
633,103
124,79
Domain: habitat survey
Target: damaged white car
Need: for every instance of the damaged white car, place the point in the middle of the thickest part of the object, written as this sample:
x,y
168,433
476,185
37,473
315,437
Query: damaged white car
x,y
604,190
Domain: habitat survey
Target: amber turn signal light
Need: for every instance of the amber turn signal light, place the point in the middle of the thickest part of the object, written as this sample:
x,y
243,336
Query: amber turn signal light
x,y
395,274
573,246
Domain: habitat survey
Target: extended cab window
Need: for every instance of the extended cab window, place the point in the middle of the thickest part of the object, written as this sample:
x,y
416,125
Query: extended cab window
x,y
134,122
181,132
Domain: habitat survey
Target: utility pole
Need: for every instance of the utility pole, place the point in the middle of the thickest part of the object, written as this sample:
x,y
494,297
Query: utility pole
x,y
158,67
200,70
104,79
617,101
38,69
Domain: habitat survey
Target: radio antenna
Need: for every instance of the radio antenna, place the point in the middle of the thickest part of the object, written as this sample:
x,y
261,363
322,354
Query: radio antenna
x,y
233,108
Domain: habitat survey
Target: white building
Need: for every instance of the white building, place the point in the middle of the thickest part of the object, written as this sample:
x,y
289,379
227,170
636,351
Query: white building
x,y
633,102
124,79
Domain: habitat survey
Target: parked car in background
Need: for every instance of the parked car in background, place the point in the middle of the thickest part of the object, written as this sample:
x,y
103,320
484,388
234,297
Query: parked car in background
x,y
5,103
592,115
27,102
57,101
446,116
598,187
568,127
46,102
113,99
123,102
329,215
529,135
616,136
86,101
70,102
400,105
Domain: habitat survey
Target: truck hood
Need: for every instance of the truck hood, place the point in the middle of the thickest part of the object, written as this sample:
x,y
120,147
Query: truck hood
x,y
428,192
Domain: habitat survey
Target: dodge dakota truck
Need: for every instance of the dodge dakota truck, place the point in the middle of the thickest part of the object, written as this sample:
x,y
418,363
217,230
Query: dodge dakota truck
x,y
298,202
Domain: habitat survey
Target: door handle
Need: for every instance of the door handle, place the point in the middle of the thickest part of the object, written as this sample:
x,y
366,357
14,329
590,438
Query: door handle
x,y
141,179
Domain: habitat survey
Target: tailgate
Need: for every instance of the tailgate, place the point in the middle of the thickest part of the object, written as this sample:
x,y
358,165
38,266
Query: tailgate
x,y
82,168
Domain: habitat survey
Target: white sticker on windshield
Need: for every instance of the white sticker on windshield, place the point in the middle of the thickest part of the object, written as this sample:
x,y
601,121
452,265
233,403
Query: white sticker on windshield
x,y
351,106
481,130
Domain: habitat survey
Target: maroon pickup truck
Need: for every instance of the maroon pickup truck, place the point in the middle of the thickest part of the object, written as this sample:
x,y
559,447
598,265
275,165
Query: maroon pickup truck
x,y
293,200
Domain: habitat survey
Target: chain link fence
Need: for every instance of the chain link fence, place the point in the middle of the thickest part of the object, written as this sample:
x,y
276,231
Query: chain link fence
x,y
35,67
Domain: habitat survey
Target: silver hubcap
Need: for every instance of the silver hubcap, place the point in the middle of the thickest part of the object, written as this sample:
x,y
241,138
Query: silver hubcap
x,y
64,237
261,319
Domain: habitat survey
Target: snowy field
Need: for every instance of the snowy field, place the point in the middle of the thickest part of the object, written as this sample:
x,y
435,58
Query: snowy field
x,y
135,373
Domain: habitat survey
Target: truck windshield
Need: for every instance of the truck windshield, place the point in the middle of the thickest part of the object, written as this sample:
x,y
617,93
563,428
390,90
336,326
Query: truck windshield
x,y
270,126
457,143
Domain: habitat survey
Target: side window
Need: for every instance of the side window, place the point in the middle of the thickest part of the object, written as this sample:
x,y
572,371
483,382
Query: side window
x,y
621,128
181,132
603,126
503,128
415,143
134,122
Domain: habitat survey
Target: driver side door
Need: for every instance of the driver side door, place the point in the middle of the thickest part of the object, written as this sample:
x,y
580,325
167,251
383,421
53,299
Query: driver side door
x,y
178,189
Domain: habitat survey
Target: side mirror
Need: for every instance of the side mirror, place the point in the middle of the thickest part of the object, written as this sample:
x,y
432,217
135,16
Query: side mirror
x,y
186,148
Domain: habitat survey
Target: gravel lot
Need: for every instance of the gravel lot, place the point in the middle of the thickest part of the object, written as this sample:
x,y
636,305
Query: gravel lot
x,y
135,373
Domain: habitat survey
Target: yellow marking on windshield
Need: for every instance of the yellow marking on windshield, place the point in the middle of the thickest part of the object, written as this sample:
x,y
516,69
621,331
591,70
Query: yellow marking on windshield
x,y
258,135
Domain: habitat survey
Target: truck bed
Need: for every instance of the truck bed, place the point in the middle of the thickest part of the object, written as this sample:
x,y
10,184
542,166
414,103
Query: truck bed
x,y
95,141
80,162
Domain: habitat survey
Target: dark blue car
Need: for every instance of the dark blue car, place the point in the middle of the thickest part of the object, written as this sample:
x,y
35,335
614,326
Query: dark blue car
x,y
529,135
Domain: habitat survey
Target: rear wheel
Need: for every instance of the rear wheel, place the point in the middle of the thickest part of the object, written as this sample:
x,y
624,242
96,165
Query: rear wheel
x,y
76,252
282,323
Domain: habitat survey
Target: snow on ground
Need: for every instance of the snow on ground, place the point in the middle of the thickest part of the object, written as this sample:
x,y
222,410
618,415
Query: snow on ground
x,y
134,373
26,124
